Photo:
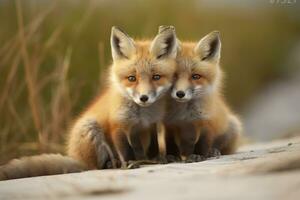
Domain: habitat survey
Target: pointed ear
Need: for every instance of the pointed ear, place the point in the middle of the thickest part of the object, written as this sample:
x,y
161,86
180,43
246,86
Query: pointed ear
x,y
122,46
162,28
209,47
164,44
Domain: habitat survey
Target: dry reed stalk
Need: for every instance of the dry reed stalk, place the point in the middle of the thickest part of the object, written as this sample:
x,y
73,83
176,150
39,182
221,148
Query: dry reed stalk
x,y
17,118
10,48
16,53
42,52
87,14
8,83
61,102
40,57
30,81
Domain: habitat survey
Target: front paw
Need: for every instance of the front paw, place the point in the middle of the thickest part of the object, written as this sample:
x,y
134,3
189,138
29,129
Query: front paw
x,y
131,164
172,158
161,160
138,163
113,164
194,158
214,153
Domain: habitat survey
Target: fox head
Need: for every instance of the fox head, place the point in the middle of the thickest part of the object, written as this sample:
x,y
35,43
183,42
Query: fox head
x,y
143,71
198,71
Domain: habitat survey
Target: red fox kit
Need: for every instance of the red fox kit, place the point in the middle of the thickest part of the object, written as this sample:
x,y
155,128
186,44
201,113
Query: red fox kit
x,y
123,118
198,117
127,112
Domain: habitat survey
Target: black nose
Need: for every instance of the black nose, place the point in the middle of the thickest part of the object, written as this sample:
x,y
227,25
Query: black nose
x,y
180,94
144,98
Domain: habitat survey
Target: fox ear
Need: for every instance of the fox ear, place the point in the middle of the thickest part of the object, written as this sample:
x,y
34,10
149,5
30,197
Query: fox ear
x,y
162,28
209,47
164,44
122,46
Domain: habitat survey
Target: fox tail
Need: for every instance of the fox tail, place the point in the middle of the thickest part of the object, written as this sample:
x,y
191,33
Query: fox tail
x,y
40,165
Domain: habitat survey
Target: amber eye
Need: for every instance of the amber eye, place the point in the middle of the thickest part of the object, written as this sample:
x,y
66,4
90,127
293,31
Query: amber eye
x,y
196,76
156,77
131,78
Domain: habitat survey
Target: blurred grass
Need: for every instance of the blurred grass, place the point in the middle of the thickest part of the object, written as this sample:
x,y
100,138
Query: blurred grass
x,y
53,53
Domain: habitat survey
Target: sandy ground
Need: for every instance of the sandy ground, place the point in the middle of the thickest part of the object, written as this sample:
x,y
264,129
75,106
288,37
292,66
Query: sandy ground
x,y
258,171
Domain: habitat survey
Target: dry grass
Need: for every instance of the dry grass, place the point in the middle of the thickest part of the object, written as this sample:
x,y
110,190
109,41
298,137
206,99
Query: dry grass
x,y
49,120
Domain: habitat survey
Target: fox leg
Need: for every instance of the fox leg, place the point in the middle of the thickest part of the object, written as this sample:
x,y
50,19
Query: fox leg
x,y
144,142
153,148
172,148
205,143
136,143
129,146
180,142
187,138
121,142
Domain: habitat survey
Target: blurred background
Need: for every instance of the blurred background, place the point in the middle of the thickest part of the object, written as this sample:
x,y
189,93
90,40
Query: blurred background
x,y
53,55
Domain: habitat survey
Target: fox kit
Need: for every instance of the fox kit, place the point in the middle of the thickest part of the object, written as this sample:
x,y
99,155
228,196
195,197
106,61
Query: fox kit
x,y
122,120
125,115
198,118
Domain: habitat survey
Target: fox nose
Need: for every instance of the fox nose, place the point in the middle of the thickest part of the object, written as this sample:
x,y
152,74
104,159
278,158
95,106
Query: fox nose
x,y
144,98
180,94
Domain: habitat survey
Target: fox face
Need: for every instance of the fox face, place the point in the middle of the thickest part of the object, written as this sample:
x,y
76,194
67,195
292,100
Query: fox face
x,y
198,70
143,71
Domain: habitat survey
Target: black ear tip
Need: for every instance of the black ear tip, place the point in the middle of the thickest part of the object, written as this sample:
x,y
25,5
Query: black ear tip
x,y
164,28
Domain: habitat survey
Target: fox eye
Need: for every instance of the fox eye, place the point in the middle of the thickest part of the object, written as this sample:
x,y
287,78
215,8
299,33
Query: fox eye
x,y
156,77
196,76
131,78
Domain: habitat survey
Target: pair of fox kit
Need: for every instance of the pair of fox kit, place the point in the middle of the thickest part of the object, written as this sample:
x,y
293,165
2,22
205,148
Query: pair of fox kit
x,y
177,85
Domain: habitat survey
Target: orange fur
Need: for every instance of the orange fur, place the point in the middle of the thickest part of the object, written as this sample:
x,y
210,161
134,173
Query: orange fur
x,y
124,121
202,119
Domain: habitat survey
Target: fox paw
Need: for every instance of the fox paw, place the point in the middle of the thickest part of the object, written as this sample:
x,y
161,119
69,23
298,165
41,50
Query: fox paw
x,y
131,164
113,164
137,163
194,158
172,158
161,160
214,153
